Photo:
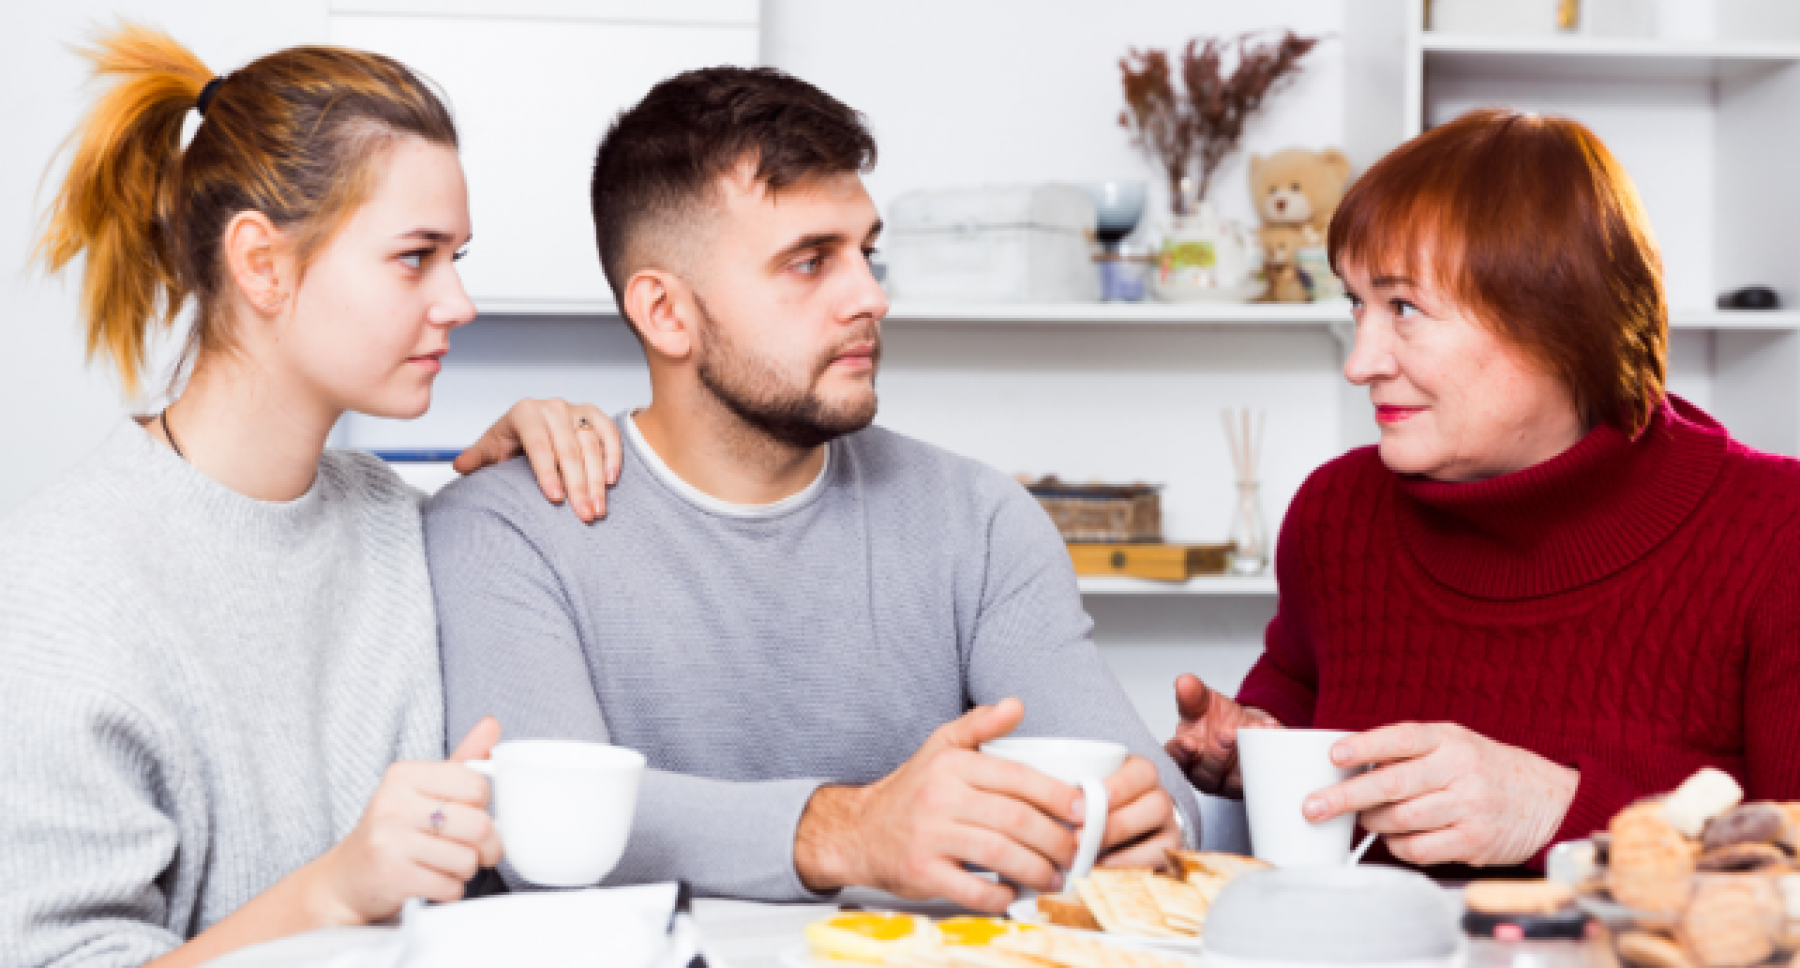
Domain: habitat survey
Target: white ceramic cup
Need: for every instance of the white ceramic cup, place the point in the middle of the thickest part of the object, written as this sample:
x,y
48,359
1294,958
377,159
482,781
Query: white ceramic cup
x,y
564,808
1084,763
1282,767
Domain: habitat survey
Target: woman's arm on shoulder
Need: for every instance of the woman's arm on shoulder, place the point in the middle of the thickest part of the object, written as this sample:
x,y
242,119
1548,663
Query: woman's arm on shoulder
x,y
574,450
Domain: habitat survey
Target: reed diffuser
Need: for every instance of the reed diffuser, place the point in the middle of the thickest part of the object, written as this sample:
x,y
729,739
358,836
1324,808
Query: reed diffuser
x,y
1250,550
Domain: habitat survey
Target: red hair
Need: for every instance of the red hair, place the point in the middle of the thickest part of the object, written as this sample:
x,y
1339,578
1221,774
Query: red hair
x,y
1529,224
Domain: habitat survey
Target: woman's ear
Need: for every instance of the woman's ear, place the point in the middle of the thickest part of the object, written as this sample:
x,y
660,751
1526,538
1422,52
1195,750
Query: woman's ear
x,y
651,305
253,253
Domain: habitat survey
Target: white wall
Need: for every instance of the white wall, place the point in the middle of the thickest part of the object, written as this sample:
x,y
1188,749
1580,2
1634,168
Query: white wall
x,y
52,408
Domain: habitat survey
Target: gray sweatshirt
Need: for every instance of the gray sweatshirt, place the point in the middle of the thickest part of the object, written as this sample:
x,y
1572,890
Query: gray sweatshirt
x,y
198,692
753,655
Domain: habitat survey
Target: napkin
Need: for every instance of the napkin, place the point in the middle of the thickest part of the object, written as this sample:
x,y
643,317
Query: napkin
x,y
623,926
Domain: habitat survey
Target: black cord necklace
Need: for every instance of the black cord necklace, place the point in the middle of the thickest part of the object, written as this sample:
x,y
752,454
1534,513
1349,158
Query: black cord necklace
x,y
169,432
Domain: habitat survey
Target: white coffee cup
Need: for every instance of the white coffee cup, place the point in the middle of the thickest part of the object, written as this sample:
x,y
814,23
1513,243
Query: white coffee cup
x,y
1084,763
564,808
1282,767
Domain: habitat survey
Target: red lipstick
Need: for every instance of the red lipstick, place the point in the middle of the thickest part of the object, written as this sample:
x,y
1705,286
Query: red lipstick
x,y
1389,413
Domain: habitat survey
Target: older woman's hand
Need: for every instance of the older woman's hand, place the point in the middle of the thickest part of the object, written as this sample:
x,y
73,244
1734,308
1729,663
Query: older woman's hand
x,y
1205,744
1442,794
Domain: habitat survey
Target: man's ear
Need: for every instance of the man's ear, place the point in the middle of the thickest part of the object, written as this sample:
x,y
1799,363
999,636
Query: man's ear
x,y
651,302
254,255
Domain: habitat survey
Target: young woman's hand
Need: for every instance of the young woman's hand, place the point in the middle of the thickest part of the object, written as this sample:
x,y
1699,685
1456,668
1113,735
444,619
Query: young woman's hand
x,y
425,832
574,449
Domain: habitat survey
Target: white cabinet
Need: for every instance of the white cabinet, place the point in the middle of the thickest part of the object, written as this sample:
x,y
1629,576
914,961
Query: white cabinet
x,y
533,85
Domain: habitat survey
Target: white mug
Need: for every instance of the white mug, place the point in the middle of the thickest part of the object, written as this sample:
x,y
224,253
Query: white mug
x,y
1282,767
564,808
1084,763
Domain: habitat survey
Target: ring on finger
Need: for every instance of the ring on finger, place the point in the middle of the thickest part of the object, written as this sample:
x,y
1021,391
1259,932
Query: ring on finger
x,y
583,424
437,819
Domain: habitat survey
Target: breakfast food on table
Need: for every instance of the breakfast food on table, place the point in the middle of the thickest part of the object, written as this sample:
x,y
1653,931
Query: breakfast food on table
x,y
1518,897
1710,881
1146,903
870,936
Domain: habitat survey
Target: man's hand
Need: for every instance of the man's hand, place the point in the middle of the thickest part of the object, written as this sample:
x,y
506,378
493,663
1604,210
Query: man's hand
x,y
1140,827
1205,744
911,832
1445,794
574,449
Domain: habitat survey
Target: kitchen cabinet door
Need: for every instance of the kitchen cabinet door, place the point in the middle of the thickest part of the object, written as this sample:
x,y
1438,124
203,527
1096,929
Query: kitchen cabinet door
x,y
532,95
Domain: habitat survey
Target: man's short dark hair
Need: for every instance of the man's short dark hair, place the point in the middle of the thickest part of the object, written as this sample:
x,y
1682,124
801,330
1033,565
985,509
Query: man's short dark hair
x,y
663,158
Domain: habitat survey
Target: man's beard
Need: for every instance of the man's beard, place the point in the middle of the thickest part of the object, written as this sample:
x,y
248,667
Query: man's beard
x,y
760,395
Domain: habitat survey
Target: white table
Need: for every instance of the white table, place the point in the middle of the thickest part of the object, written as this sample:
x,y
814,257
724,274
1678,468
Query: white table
x,y
741,934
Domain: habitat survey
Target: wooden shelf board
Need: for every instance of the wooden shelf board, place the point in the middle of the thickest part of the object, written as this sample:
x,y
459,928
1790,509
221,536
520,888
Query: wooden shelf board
x,y
1215,585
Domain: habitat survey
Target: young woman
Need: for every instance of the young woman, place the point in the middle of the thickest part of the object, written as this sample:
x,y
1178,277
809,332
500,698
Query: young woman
x,y
221,693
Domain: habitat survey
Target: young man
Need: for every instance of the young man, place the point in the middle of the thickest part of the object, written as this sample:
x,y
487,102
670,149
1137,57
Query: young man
x,y
807,624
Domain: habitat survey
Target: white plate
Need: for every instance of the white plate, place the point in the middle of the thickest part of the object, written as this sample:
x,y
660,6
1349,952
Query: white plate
x,y
1025,911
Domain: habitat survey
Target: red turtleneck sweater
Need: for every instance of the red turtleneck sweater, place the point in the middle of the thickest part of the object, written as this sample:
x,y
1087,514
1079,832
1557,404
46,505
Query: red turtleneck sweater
x,y
1628,609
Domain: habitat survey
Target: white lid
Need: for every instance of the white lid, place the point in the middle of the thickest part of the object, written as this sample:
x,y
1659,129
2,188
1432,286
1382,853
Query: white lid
x,y
1339,916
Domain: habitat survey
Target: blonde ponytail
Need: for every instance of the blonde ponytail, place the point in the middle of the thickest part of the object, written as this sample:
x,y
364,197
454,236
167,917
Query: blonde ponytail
x,y
115,199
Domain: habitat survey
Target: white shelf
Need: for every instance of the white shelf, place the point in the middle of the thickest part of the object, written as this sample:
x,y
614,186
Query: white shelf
x,y
1149,314
1216,585
1576,57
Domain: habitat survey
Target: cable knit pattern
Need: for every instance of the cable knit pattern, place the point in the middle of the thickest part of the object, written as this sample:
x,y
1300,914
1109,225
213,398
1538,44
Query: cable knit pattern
x,y
752,659
1629,608
200,692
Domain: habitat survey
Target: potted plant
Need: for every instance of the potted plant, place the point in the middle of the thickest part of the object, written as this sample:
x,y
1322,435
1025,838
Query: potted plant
x,y
1192,130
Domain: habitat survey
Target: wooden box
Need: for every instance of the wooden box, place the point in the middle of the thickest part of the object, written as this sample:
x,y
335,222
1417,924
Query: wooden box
x,y
1165,562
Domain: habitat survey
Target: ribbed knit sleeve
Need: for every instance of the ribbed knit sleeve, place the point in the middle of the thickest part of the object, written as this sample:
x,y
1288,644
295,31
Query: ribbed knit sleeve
x,y
88,847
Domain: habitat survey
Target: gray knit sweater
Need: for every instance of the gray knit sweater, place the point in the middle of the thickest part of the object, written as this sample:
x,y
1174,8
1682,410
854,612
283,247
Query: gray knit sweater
x,y
198,692
752,656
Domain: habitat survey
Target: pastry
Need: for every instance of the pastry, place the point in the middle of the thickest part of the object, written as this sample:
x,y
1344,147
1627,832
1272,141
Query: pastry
x,y
1743,858
1183,906
1517,897
1751,823
1061,949
1648,950
1212,863
1066,910
1652,863
1707,794
1733,921
1121,901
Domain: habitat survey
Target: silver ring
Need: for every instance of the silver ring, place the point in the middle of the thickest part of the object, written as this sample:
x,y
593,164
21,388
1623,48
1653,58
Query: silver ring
x,y
437,821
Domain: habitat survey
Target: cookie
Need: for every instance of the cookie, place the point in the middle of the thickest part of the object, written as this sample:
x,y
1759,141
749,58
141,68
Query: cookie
x,y
1705,795
1517,897
1743,858
1646,950
1066,910
1733,921
1751,823
1652,863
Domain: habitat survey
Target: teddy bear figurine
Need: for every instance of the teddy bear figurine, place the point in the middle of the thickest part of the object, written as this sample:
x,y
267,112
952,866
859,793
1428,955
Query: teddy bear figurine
x,y
1295,192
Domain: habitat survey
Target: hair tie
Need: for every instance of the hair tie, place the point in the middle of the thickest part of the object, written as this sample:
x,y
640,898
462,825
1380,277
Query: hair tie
x,y
206,95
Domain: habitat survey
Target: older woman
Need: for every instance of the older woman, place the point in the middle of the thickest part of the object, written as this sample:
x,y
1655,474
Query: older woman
x,y
1553,588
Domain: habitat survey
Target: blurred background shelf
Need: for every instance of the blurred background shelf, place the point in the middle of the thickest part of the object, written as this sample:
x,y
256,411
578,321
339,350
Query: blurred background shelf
x,y
1232,585
1597,58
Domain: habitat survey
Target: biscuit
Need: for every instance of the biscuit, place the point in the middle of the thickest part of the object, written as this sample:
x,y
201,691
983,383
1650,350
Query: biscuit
x,y
1517,897
1066,910
1707,794
1751,823
1733,921
1648,950
1214,863
1652,863
1743,858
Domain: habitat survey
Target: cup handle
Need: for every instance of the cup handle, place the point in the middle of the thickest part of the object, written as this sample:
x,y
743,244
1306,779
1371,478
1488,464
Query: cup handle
x,y
1093,830
483,767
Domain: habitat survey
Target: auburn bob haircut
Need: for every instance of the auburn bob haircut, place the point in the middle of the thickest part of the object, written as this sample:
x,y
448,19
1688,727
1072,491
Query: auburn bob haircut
x,y
296,136
1531,226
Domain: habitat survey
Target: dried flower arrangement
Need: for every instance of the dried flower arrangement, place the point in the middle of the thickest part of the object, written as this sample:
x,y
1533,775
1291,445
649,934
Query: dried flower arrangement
x,y
1205,121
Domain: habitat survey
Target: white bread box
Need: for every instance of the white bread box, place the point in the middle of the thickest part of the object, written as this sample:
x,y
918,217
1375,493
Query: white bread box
x,y
1005,243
